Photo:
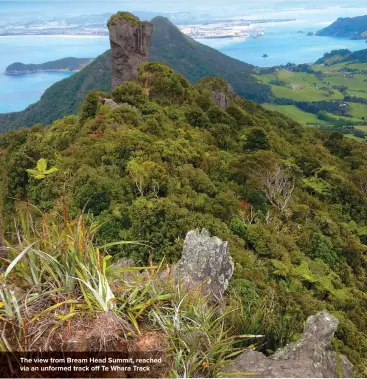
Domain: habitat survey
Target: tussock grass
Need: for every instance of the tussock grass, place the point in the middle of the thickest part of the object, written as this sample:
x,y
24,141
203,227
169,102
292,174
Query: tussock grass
x,y
59,291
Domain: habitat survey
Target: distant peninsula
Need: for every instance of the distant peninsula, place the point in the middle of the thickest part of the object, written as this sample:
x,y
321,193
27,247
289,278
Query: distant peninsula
x,y
61,65
348,27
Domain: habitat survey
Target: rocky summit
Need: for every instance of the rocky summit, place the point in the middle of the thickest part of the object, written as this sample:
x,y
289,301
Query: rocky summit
x,y
130,41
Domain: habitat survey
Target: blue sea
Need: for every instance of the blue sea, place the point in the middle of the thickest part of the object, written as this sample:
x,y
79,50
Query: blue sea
x,y
282,42
19,91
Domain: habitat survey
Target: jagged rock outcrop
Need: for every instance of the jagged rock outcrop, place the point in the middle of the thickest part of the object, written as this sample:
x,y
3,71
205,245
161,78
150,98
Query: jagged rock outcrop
x,y
109,102
310,357
205,261
220,99
130,41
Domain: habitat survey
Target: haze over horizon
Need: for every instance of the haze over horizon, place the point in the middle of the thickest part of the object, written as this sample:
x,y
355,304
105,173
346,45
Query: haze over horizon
x,y
55,17
213,7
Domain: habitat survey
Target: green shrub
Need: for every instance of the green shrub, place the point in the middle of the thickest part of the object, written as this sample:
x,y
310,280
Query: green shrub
x,y
130,93
256,139
322,248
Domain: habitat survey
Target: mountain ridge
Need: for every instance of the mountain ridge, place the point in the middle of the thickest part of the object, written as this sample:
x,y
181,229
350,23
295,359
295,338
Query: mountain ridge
x,y
161,158
189,57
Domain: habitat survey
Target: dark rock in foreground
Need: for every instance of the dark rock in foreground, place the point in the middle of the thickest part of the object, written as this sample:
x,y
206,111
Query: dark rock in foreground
x,y
130,41
310,357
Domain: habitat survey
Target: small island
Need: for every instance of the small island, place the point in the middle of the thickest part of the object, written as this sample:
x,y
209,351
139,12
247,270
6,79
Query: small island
x,y
265,55
310,34
69,64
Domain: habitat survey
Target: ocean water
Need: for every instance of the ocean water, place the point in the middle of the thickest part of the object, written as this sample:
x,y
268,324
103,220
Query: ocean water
x,y
288,42
19,91
282,46
282,42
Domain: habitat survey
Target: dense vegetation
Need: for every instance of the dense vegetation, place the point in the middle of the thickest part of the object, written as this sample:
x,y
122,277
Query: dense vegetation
x,y
123,16
343,55
188,57
69,64
108,305
194,60
350,27
290,200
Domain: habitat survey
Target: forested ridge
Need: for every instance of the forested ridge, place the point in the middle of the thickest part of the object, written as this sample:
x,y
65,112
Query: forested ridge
x,y
290,200
350,27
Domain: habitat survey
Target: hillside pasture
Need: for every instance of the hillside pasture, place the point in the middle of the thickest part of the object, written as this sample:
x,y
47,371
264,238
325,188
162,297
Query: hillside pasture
x,y
293,112
305,94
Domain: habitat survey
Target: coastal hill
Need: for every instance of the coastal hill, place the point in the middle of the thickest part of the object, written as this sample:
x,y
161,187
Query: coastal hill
x,y
101,211
342,56
188,57
160,159
348,27
64,64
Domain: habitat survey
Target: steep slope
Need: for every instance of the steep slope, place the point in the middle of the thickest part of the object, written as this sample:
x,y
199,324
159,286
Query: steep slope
x,y
343,56
190,58
290,201
194,60
349,27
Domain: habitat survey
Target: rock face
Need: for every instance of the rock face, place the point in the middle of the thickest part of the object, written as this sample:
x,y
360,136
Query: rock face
x,y
309,357
109,102
205,260
130,41
220,99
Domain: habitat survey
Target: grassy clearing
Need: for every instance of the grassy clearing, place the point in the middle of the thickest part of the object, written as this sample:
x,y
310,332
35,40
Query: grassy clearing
x,y
356,82
358,66
357,93
300,78
334,68
351,136
305,94
358,110
293,112
337,117
266,79
362,127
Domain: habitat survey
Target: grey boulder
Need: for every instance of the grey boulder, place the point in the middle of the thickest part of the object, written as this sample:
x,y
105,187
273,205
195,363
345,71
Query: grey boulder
x,y
309,357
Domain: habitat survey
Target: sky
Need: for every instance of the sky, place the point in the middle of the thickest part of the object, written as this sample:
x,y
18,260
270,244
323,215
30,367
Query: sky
x,y
21,11
210,6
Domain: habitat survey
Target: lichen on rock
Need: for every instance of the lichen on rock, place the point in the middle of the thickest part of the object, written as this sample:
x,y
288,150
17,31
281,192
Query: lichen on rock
x,y
205,261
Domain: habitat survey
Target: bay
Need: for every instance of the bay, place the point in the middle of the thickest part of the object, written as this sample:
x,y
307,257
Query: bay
x,y
19,91
282,46
282,42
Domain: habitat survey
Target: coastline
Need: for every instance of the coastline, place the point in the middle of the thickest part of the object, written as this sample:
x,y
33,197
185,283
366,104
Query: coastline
x,y
38,71
53,35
